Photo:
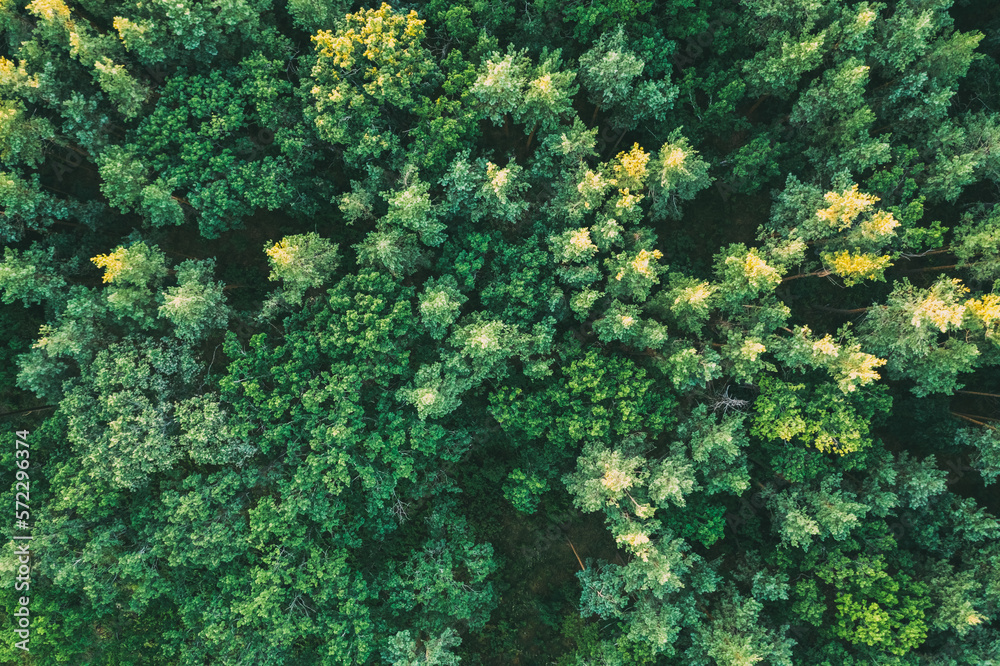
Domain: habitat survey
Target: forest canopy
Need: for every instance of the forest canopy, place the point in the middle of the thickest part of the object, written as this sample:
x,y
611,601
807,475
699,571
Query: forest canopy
x,y
576,332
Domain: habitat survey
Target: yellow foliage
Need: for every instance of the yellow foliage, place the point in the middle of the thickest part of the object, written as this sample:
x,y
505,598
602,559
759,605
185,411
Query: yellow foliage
x,y
113,264
16,75
845,207
675,158
484,340
498,179
49,10
630,167
986,309
752,349
858,266
377,32
974,618
44,333
496,72
826,346
641,264
616,480
940,312
282,253
580,240
427,396
865,18
696,295
628,200
879,224
543,85
592,183
634,539
860,370
757,270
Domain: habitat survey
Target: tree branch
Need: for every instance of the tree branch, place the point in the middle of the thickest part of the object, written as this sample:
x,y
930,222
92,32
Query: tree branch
x,y
582,568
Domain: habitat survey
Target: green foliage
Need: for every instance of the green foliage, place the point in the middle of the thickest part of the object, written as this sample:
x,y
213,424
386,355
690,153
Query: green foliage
x,y
120,413
31,276
21,138
819,415
524,491
315,15
27,208
918,332
445,581
717,445
592,19
736,636
511,86
503,331
976,242
987,446
439,305
371,71
197,305
595,397
609,71
301,262
412,209
404,650
679,173
133,272
874,608
155,34
803,513
435,392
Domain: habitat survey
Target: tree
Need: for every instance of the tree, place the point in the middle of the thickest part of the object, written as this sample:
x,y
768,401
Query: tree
x,y
907,330
435,392
185,30
367,73
444,582
134,271
819,415
609,71
122,413
510,86
301,262
976,241
735,635
197,305
440,304
503,331
31,277
404,650
834,113
678,174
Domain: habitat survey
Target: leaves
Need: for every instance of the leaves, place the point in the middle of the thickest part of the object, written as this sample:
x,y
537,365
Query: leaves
x,y
502,330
